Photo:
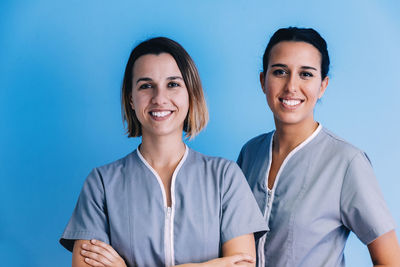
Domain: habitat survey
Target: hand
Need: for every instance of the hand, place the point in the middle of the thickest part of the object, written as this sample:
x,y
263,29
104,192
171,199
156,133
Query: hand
x,y
100,254
240,259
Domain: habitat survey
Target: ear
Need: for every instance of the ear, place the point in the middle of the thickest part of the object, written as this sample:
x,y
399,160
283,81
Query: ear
x,y
324,84
262,80
131,102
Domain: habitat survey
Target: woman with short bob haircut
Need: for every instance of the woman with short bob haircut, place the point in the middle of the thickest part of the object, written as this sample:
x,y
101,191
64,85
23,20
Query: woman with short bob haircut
x,y
312,187
164,204
197,117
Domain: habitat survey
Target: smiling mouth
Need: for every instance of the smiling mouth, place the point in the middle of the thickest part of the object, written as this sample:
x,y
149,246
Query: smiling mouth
x,y
160,114
291,102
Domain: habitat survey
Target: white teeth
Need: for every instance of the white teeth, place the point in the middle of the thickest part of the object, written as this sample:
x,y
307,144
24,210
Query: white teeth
x,y
291,102
160,114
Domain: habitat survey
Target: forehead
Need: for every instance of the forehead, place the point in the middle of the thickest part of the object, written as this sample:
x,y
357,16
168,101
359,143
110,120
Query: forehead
x,y
295,53
161,65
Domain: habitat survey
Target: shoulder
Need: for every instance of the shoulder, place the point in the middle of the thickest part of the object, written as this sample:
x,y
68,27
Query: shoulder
x,y
114,169
337,146
216,165
258,142
196,157
256,149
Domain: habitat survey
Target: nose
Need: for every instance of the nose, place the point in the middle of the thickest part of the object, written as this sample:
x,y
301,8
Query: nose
x,y
292,83
160,96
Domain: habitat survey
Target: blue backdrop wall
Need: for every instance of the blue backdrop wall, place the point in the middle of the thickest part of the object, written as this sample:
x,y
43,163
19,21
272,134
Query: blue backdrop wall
x,y
61,67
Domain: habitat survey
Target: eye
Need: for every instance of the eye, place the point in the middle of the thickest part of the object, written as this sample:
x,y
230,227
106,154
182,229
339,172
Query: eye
x,y
145,86
173,84
306,74
279,72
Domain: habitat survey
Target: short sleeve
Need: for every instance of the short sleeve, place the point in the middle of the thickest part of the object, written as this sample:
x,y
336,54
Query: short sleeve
x,y
89,219
240,212
363,209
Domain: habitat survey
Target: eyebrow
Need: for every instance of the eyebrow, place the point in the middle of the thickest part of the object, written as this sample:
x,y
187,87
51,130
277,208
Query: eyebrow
x,y
146,79
174,78
285,66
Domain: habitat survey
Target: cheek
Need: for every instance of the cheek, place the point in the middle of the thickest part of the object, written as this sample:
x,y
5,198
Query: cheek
x,y
184,99
273,86
138,108
269,92
139,100
314,92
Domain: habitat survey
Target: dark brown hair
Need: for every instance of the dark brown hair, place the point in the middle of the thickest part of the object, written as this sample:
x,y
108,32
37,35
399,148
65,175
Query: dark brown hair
x,y
295,34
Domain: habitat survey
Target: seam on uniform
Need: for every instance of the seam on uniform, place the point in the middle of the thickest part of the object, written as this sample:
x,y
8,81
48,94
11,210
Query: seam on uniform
x,y
339,139
284,163
129,205
343,181
294,215
223,191
174,175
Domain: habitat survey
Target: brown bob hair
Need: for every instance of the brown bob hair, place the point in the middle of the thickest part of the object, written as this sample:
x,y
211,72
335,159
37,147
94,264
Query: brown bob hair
x,y
197,116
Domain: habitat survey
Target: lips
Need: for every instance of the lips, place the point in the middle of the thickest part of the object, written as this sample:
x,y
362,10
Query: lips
x,y
290,102
160,114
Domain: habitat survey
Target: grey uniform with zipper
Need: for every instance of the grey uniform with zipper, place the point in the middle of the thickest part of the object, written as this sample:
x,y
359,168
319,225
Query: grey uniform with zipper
x,y
324,189
124,204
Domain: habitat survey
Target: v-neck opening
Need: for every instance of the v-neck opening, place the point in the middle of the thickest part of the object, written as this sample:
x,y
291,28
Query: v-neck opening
x,y
174,174
288,157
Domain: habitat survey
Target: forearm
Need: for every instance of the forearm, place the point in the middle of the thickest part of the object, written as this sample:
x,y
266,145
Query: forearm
x,y
237,251
239,259
242,245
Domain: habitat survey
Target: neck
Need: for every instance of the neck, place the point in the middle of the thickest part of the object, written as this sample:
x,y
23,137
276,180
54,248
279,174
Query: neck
x,y
289,136
162,151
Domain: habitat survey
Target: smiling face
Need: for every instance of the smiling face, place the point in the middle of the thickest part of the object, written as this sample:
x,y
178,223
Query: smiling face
x,y
159,95
292,82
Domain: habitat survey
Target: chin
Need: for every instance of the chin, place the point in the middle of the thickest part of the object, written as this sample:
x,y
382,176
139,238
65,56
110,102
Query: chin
x,y
290,120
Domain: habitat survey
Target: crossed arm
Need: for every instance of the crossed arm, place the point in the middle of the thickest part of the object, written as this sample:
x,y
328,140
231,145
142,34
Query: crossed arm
x,y
239,251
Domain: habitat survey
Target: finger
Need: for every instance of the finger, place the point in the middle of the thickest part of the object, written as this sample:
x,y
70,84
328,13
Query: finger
x,y
94,263
96,257
242,257
98,250
105,246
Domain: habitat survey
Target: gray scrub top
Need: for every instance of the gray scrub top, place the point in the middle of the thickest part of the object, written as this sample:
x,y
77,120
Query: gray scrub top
x,y
324,189
124,205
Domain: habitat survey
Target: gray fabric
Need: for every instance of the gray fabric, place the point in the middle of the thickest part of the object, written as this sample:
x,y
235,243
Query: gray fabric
x,y
121,203
326,189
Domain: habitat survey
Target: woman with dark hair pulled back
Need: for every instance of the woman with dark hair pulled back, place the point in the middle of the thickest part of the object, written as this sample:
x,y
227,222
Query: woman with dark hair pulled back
x,y
312,186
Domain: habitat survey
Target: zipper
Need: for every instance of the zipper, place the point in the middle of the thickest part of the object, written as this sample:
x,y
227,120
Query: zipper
x,y
271,192
168,244
169,211
261,243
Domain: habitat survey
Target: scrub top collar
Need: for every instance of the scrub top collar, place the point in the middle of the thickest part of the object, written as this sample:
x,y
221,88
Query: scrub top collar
x,y
297,148
159,179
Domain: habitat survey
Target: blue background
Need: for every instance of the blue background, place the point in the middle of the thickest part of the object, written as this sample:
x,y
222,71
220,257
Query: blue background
x,y
61,67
